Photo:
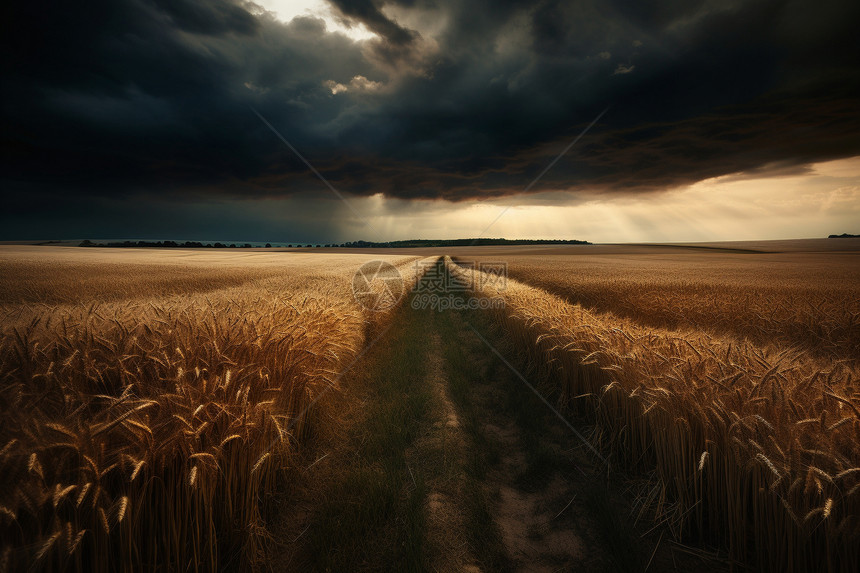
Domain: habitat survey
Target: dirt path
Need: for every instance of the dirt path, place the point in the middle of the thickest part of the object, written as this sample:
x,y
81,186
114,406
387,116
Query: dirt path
x,y
556,505
533,499
450,463
534,535
446,521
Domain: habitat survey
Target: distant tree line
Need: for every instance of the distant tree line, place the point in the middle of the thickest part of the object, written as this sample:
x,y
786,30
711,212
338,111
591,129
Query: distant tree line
x,y
460,243
178,244
351,245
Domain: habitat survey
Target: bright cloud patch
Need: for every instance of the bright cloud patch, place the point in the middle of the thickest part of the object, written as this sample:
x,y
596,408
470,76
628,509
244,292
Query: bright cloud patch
x,y
356,84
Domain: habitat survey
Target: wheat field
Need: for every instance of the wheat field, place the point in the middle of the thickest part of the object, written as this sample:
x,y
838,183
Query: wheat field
x,y
150,399
733,381
806,300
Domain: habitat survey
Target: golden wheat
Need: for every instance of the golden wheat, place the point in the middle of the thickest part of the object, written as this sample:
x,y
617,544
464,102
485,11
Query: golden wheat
x,y
145,419
809,300
745,439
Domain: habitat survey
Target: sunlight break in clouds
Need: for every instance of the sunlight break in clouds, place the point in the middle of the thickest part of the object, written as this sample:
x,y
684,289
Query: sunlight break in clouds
x,y
286,10
815,204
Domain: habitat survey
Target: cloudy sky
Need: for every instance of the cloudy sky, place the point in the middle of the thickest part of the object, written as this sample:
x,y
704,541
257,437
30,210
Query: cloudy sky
x,y
689,119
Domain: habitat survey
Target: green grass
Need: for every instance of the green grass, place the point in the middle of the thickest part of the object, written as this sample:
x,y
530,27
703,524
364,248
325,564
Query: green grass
x,y
374,517
484,536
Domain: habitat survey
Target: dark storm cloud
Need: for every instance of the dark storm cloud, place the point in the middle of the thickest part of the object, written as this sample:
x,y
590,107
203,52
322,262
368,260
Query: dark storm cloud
x,y
368,13
453,100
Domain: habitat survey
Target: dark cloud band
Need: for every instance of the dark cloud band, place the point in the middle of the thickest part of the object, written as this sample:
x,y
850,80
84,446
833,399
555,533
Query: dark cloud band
x,y
457,101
